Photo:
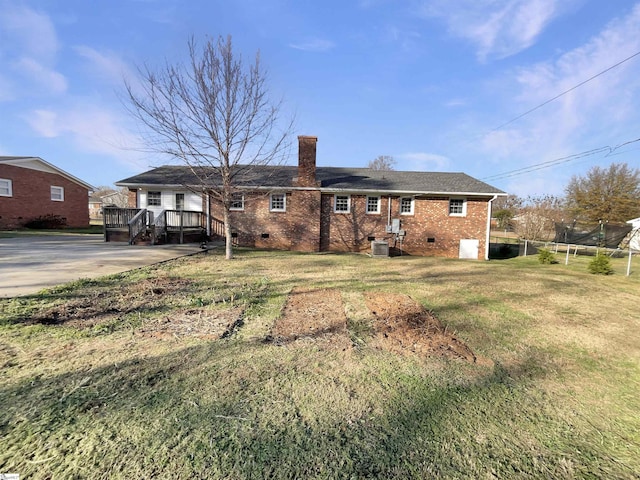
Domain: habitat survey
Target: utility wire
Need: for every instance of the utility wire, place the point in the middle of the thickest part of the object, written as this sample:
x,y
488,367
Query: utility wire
x,y
558,161
564,93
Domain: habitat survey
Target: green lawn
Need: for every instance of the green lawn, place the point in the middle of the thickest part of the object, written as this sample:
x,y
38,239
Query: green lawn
x,y
90,230
86,393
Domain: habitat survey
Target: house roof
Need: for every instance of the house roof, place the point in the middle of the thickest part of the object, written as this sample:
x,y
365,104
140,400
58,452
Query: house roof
x,y
330,179
37,163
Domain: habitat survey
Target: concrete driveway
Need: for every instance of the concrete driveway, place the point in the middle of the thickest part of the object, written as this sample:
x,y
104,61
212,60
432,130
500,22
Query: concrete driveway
x,y
30,263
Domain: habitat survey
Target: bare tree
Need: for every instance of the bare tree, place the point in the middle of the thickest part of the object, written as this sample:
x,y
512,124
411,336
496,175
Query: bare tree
x,y
504,209
118,197
382,162
537,215
214,115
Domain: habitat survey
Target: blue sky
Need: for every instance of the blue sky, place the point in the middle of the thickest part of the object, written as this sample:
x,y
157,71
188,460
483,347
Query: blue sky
x,y
433,83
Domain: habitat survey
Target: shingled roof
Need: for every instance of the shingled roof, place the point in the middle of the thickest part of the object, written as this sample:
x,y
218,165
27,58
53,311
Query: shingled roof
x,y
330,179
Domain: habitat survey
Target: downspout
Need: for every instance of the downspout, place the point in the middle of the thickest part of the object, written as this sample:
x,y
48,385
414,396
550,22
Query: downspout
x,y
206,196
486,244
389,211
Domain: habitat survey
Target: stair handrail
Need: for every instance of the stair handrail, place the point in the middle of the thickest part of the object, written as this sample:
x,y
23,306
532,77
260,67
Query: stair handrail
x,y
159,226
137,225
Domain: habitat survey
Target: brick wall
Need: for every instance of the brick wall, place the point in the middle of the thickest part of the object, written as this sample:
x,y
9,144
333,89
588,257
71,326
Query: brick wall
x,y
430,230
32,198
132,198
296,229
310,224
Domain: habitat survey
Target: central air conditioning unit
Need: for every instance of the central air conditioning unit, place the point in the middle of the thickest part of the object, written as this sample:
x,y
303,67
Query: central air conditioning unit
x,y
379,248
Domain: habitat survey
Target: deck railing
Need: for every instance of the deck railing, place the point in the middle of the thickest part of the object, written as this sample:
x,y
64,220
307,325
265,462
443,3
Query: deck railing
x,y
175,219
135,221
115,217
217,228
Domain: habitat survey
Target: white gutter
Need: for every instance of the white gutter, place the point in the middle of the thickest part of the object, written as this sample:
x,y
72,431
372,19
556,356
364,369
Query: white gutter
x,y
326,190
486,245
206,196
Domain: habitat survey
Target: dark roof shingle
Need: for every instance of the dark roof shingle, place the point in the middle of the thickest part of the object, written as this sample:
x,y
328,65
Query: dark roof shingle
x,y
329,178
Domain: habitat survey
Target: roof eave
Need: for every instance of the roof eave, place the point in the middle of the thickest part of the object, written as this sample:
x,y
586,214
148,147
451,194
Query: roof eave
x,y
67,175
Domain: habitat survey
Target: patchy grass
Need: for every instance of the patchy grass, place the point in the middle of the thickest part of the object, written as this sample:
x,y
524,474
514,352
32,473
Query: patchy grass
x,y
87,393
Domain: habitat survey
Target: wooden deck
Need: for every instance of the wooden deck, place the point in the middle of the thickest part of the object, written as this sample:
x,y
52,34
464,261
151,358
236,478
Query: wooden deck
x,y
141,226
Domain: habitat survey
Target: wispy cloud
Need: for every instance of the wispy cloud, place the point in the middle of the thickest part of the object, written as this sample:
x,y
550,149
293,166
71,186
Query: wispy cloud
x,y
456,102
91,129
107,65
29,31
497,28
421,161
28,53
602,112
314,45
49,80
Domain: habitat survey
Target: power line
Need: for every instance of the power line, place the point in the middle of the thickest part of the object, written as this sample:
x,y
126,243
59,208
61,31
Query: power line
x,y
558,161
564,93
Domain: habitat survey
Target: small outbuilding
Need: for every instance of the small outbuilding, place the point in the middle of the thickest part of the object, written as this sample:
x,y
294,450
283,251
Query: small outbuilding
x,y
634,235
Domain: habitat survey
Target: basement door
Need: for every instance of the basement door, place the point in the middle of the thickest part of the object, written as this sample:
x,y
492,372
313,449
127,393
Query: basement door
x,y
469,248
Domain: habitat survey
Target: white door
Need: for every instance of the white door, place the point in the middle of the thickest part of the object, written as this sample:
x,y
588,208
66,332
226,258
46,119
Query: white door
x,y
469,248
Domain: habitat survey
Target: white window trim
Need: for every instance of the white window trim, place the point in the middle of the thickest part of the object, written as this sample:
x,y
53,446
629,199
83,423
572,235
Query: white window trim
x,y
335,203
9,187
412,206
60,190
148,195
464,207
284,203
378,205
240,197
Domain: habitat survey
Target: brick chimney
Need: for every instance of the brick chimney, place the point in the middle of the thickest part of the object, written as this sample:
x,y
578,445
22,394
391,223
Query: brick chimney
x,y
307,161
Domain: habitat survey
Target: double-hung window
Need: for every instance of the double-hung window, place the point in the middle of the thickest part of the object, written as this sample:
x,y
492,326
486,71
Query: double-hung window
x,y
57,193
237,202
6,187
154,199
406,206
179,201
373,204
342,204
278,202
457,207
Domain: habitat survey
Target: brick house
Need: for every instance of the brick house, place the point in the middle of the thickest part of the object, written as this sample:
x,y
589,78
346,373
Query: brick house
x,y
31,187
316,209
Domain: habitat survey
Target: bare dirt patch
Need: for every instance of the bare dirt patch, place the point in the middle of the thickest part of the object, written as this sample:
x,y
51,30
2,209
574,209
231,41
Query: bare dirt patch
x,y
199,323
402,324
397,323
98,307
312,314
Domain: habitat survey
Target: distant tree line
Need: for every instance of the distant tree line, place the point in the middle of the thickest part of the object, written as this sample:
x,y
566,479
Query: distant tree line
x,y
603,195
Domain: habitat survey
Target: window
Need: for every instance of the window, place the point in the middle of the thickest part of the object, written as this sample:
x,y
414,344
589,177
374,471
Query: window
x,y
57,194
6,189
457,207
154,199
406,206
373,204
278,202
179,201
342,203
237,202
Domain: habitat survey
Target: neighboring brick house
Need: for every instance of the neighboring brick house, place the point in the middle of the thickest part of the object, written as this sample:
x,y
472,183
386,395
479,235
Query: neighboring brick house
x,y
31,187
315,209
